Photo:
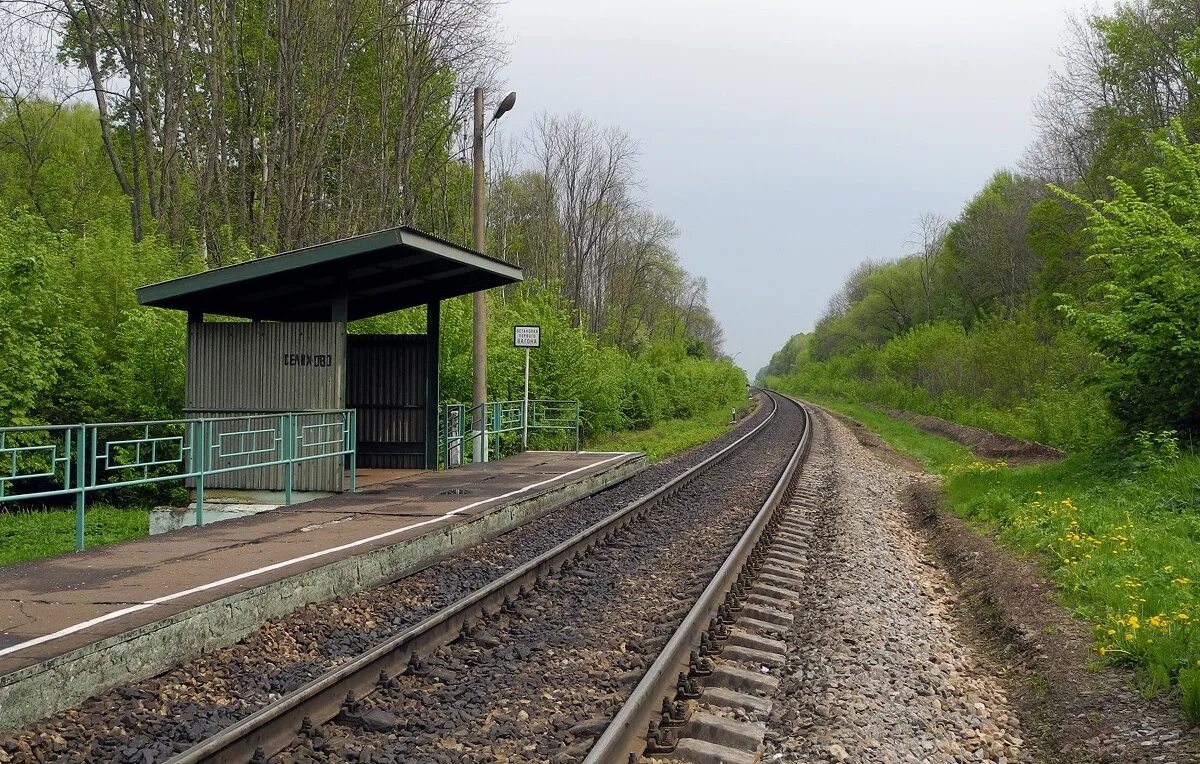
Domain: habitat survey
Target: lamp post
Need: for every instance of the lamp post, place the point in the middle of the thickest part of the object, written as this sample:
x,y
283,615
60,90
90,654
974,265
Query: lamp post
x,y
479,234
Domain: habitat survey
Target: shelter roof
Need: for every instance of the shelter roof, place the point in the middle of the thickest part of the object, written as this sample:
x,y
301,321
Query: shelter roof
x,y
376,273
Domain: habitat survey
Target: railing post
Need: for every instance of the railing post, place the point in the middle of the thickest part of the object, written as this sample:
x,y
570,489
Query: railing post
x,y
288,445
353,415
199,457
578,413
81,487
525,417
483,433
497,413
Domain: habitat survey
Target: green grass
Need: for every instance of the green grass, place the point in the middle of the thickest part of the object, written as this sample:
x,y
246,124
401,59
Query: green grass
x,y
31,535
936,454
669,437
1119,535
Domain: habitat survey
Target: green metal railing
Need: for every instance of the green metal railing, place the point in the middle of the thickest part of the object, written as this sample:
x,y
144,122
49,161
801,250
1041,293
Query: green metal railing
x,y
459,438
81,460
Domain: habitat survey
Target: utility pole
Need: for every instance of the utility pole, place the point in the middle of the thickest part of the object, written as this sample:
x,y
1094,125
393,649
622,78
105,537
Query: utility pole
x,y
479,317
479,241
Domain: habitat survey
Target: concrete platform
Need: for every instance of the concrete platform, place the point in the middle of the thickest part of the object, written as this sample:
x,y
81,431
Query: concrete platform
x,y
74,625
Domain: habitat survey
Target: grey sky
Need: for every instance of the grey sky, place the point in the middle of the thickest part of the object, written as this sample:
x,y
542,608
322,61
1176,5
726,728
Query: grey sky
x,y
792,139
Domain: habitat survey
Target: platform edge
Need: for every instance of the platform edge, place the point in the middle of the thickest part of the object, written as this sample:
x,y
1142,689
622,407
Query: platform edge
x,y
61,682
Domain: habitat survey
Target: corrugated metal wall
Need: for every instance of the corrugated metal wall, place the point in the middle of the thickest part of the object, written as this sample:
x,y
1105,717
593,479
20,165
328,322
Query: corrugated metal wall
x,y
387,382
263,367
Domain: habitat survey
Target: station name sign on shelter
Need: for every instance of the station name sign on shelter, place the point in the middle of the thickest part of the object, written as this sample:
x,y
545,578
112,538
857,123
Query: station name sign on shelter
x,y
527,336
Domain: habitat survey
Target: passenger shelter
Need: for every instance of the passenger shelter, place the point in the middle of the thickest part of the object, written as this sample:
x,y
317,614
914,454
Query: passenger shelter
x,y
294,353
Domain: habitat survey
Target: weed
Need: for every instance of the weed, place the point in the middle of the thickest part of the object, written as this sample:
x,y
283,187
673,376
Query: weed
x,y
1189,693
1040,685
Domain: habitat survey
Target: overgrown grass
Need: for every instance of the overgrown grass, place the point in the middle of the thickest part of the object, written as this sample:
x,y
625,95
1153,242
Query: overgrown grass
x,y
1118,535
667,438
31,535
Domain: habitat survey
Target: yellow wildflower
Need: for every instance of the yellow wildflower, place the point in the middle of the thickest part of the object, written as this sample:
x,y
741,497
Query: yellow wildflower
x,y
1159,622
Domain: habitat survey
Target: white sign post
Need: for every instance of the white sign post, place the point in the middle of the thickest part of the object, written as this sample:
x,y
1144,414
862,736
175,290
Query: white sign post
x,y
526,337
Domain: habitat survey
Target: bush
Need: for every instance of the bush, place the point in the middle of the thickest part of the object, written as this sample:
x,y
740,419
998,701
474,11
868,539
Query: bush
x,y
1018,376
1143,317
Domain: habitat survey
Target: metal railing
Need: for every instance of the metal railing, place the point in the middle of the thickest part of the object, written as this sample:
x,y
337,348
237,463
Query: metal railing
x,y
81,460
460,438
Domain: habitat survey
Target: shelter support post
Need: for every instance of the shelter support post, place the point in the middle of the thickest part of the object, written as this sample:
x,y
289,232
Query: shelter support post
x,y
433,333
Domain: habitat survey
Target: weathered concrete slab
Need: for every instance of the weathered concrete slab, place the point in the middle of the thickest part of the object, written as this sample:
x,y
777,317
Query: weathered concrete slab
x,y
770,615
722,697
755,626
745,638
742,680
766,589
754,656
721,730
703,752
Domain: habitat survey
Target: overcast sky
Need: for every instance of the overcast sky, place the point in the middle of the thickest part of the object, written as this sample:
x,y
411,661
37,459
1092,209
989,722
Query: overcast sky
x,y
791,139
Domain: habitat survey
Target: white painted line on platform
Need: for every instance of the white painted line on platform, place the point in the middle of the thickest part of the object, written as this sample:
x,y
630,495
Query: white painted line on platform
x,y
84,625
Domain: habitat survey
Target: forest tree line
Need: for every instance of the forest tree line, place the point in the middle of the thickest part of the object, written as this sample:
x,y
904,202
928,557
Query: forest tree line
x,y
1062,303
141,140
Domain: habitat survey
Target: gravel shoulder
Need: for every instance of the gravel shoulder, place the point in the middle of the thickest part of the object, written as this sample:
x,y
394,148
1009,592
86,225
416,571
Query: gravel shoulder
x,y
877,671
1004,614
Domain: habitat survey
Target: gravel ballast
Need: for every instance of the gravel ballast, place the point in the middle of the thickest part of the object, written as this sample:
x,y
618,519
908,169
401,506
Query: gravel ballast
x,y
153,719
876,671
539,681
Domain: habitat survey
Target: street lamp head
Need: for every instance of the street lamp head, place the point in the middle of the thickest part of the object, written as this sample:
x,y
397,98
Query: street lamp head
x,y
509,101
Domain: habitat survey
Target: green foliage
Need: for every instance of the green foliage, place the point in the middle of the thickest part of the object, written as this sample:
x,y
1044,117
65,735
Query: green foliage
x,y
988,264
74,345
30,346
1189,693
617,390
1144,315
1155,450
52,163
1116,544
1018,376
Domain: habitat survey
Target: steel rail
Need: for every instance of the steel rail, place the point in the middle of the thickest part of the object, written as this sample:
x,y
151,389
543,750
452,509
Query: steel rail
x,y
272,728
626,735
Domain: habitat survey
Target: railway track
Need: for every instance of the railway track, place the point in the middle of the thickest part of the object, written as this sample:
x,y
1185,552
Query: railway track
x,y
739,615
680,550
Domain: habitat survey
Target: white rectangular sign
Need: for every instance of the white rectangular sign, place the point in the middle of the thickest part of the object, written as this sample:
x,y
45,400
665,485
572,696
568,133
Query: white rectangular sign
x,y
527,336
